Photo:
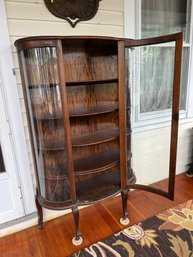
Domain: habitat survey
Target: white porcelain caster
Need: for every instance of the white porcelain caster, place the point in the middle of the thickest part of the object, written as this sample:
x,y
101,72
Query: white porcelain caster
x,y
124,221
77,241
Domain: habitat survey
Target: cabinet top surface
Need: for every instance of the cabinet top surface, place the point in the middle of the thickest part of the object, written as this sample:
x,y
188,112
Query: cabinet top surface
x,y
38,41
56,38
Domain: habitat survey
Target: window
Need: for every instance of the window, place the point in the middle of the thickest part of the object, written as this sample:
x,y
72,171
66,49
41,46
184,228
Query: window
x,y
152,68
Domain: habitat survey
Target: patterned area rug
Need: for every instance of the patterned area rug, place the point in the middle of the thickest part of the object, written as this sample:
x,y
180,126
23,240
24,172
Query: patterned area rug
x,y
169,234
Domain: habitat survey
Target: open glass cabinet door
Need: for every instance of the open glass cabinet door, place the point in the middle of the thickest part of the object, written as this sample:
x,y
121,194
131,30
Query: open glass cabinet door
x,y
163,48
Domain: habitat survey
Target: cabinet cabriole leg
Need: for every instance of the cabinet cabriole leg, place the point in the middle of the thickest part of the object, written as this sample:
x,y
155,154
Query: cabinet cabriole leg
x,y
124,220
77,240
40,212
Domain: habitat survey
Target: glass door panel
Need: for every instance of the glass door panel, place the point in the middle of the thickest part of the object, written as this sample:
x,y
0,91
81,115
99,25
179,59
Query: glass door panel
x,y
156,71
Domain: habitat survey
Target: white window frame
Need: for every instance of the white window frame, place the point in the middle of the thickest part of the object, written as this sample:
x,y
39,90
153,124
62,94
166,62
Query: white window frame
x,y
152,120
14,113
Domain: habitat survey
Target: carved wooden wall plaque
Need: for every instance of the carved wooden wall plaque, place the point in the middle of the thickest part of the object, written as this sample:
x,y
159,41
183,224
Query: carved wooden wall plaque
x,y
73,10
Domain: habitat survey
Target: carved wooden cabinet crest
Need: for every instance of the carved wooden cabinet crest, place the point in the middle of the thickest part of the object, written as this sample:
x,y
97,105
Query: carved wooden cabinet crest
x,y
73,10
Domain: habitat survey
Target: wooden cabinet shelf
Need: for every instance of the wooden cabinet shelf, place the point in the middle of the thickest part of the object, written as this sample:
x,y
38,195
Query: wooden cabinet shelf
x,y
52,116
94,110
108,184
79,112
92,165
43,86
90,82
58,177
96,163
93,138
52,147
75,83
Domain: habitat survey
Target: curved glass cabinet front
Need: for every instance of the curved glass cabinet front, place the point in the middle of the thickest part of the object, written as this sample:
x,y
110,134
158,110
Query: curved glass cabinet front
x,y
40,72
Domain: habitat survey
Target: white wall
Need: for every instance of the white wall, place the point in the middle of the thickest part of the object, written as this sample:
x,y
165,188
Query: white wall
x,y
151,151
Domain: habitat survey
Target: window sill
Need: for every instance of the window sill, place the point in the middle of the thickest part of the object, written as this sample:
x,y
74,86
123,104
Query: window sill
x,y
157,123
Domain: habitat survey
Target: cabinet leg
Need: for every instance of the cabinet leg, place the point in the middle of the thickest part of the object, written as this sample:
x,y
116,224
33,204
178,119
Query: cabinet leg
x,y
77,240
40,212
189,172
124,220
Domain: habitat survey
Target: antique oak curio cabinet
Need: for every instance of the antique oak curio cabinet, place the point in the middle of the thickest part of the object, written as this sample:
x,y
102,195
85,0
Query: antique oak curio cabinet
x,y
78,105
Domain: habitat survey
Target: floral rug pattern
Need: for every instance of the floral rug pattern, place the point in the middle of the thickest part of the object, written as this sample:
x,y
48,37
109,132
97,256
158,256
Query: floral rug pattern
x,y
168,234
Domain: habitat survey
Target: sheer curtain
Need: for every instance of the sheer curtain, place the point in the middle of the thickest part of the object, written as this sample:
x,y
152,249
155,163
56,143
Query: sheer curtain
x,y
156,77
160,17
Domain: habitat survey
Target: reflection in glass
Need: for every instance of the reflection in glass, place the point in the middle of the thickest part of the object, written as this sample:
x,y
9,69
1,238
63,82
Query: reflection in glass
x,y
128,64
2,165
156,78
184,77
162,18
165,17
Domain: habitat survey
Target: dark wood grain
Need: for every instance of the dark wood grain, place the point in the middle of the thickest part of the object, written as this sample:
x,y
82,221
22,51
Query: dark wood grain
x,y
175,115
97,60
23,244
97,162
122,115
11,246
73,12
56,142
108,184
91,82
94,110
2,247
95,138
62,79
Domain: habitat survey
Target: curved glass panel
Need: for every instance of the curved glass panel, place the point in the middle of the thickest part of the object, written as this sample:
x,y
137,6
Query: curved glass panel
x,y
45,111
2,165
131,178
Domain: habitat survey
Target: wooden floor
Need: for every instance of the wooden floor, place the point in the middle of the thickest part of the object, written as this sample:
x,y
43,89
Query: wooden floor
x,y
96,223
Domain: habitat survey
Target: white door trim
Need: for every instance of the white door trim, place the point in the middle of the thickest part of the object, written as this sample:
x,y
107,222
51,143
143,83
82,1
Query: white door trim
x,y
11,204
14,113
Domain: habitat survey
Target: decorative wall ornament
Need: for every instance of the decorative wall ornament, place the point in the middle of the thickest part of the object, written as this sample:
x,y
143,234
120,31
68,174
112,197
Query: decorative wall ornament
x,y
73,11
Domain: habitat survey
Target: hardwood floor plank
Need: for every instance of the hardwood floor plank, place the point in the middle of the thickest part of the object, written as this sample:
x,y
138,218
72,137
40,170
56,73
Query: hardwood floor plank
x,y
45,244
58,242
11,246
97,222
32,242
90,234
111,220
2,247
96,226
114,207
22,244
64,236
